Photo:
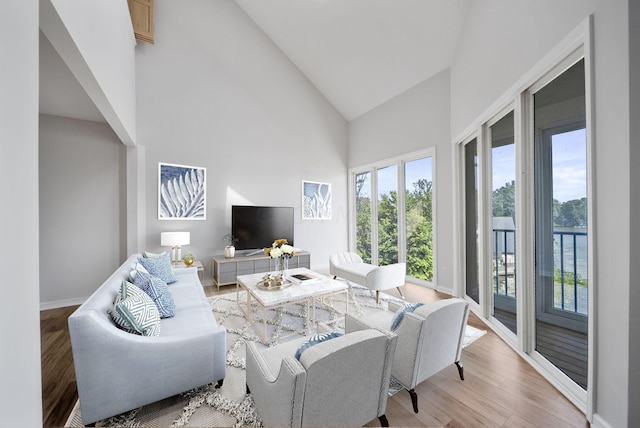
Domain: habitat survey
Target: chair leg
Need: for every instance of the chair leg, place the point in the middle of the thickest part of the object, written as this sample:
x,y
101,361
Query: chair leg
x,y
383,421
377,297
460,370
401,295
414,399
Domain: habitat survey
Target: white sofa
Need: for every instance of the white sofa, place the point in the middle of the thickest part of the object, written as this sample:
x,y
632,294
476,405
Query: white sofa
x,y
117,371
351,267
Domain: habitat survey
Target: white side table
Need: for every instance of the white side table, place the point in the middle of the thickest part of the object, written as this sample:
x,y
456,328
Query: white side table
x,y
196,264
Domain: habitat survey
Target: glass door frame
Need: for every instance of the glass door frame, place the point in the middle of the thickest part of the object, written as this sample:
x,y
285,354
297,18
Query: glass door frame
x,y
576,45
372,168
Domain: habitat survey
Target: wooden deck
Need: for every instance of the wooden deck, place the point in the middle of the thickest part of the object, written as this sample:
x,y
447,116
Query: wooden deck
x,y
566,349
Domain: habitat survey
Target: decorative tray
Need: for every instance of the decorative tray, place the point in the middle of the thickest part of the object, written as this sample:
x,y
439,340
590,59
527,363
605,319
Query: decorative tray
x,y
261,286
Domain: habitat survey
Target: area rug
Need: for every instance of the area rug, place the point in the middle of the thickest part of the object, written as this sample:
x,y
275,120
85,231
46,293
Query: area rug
x,y
230,405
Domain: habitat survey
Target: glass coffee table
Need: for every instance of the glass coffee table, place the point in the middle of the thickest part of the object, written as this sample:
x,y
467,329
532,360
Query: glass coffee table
x,y
306,293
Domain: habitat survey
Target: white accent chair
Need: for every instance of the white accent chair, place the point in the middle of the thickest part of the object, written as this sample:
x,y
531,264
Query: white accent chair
x,y
429,339
351,267
330,385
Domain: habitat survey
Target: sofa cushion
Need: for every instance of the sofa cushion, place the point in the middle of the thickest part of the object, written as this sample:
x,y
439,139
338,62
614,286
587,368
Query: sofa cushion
x,y
314,340
399,315
134,311
159,292
160,267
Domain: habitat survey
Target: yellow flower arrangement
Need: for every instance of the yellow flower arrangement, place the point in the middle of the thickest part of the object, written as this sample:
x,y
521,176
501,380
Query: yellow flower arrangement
x,y
280,249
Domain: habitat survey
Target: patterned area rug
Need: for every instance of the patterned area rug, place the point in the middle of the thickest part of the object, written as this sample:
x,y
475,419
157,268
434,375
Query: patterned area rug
x,y
229,405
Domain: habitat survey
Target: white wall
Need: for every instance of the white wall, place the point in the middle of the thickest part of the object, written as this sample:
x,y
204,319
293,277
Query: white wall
x,y
501,41
20,393
412,121
96,41
80,208
215,92
634,237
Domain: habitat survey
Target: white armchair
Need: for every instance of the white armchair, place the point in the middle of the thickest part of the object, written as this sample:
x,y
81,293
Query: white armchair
x,y
429,339
330,385
351,267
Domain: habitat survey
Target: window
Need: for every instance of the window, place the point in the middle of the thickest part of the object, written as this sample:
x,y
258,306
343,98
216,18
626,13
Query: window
x,y
399,227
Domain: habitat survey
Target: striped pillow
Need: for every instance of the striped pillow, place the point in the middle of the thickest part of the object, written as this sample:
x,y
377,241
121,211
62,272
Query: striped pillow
x,y
134,311
314,340
399,315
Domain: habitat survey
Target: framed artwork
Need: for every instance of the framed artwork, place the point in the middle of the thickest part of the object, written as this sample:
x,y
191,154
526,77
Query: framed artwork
x,y
316,201
182,192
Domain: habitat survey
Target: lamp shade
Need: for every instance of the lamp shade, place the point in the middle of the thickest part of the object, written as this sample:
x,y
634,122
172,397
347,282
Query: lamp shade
x,y
173,239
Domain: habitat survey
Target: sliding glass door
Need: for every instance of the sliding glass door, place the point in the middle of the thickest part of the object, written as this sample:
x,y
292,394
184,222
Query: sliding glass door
x,y
561,219
503,217
471,244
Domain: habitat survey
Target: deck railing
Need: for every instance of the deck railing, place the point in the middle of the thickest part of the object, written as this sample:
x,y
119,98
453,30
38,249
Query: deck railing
x,y
570,279
570,259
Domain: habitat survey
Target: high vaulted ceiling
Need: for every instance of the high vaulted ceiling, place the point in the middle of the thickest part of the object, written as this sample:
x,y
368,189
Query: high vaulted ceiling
x,y
357,53
361,53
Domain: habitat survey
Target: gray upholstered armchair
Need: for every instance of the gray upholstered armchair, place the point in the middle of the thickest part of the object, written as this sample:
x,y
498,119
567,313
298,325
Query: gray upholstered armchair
x,y
429,339
330,385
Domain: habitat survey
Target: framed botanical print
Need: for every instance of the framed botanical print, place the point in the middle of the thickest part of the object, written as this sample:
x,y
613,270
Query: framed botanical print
x,y
316,200
182,192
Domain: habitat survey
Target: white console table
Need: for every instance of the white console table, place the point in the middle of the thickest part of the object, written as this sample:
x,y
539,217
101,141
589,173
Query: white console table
x,y
226,270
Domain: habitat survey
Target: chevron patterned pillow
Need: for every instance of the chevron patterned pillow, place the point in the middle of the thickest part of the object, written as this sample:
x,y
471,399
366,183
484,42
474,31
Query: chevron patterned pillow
x,y
134,311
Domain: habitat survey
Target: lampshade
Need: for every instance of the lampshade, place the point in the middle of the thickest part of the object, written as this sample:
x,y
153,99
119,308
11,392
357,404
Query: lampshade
x,y
172,239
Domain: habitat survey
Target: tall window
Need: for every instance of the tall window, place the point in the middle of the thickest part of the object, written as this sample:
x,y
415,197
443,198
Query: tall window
x,y
363,215
399,226
419,218
387,215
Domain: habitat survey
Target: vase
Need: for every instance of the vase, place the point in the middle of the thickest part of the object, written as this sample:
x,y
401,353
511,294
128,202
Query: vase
x,y
281,265
229,251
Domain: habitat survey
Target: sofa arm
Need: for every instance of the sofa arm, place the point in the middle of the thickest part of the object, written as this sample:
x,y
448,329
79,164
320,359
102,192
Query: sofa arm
x,y
278,396
117,371
386,277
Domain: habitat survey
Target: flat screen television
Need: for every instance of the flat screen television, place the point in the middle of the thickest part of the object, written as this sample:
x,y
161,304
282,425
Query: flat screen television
x,y
257,227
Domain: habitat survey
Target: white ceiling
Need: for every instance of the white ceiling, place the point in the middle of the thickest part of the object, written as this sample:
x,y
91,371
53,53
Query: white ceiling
x,y
361,53
358,53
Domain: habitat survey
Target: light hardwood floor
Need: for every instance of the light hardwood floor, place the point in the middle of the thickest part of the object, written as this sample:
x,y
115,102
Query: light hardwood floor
x,y
500,389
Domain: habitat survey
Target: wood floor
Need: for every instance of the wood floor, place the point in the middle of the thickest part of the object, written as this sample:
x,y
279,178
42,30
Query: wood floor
x,y
500,389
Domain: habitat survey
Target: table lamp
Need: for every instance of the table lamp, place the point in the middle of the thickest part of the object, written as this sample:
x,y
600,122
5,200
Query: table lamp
x,y
175,240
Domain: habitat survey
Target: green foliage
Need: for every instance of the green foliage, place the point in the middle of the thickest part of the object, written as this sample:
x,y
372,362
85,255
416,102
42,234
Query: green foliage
x,y
504,201
567,214
419,206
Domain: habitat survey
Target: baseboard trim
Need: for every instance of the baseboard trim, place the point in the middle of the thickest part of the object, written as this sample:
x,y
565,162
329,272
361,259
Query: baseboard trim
x,y
600,422
61,303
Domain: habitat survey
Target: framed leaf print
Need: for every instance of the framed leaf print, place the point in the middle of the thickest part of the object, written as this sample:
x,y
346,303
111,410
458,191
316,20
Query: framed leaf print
x,y
182,192
316,201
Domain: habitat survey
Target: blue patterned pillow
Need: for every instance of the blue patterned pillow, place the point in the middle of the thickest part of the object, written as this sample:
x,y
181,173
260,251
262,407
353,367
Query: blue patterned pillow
x,y
160,267
134,311
314,340
159,292
397,317
132,274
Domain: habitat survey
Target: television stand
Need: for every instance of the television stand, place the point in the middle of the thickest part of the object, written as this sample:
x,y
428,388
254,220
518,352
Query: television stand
x,y
226,270
253,253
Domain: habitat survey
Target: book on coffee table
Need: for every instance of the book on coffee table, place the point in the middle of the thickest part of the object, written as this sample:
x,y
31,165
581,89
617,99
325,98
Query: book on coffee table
x,y
300,278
